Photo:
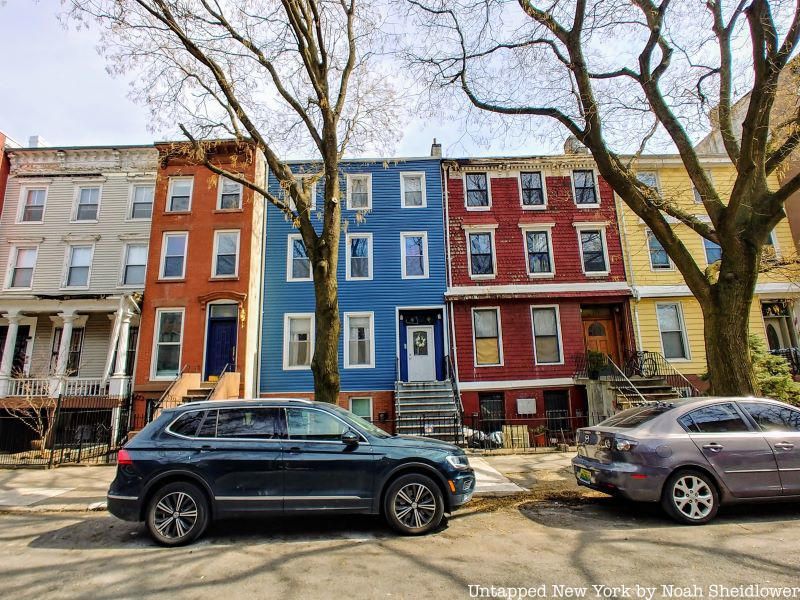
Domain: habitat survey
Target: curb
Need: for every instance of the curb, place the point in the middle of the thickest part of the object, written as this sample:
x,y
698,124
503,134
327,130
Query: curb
x,y
54,508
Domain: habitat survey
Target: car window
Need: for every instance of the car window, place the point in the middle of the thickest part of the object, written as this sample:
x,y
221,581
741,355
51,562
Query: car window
x,y
636,416
209,427
773,417
316,425
362,422
253,423
187,423
717,418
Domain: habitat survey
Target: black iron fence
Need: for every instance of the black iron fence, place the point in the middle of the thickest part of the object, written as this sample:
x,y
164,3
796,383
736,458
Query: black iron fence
x,y
792,356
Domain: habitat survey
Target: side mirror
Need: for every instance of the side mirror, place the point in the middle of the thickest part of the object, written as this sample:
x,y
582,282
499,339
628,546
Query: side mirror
x,y
350,438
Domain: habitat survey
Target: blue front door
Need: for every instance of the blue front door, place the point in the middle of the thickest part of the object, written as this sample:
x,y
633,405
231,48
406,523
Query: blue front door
x,y
221,339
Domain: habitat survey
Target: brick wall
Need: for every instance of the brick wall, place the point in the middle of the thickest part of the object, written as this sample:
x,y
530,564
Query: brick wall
x,y
577,403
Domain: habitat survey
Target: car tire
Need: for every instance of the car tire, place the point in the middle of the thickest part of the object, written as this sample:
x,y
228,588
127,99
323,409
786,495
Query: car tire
x,y
413,504
690,497
191,506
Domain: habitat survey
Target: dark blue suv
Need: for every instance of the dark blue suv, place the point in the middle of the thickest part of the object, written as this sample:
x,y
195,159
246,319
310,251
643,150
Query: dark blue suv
x,y
211,460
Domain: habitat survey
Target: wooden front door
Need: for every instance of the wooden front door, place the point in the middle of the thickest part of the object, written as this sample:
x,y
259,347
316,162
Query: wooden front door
x,y
601,336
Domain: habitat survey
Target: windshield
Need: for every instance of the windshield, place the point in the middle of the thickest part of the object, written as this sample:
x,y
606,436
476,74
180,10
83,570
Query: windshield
x,y
363,423
633,417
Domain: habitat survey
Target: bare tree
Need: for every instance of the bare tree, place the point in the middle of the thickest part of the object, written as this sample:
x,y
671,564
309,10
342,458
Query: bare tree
x,y
287,75
623,77
36,410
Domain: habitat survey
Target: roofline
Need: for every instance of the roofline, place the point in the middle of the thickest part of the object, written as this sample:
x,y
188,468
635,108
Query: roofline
x,y
104,147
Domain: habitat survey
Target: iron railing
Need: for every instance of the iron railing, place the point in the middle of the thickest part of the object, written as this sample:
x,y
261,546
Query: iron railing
x,y
792,356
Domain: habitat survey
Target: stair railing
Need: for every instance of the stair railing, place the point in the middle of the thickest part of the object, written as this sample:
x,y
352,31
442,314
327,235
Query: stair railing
x,y
155,408
656,366
620,381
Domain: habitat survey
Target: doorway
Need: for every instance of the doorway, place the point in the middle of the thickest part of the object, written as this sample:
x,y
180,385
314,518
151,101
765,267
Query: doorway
x,y
601,330
556,410
421,356
221,339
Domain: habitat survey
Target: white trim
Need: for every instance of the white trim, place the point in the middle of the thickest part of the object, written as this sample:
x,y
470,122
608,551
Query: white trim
x,y
488,191
684,333
349,178
12,261
657,178
601,227
23,196
79,187
371,405
132,194
346,340
370,256
547,229
162,263
403,175
156,334
541,288
670,266
220,179
668,291
558,333
774,237
523,206
217,233
68,264
596,187
468,231
124,263
312,340
426,265
499,337
172,179
290,258
471,386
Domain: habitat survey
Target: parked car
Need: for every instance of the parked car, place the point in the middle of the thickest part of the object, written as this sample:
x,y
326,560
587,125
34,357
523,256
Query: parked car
x,y
210,460
693,455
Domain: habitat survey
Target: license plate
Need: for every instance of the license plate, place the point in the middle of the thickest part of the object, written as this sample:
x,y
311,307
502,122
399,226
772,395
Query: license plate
x,y
584,475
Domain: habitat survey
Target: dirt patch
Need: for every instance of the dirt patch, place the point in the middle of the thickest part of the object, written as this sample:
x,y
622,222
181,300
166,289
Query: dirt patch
x,y
551,494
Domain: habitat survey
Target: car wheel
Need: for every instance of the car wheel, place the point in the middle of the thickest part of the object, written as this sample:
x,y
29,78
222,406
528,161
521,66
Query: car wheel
x,y
690,497
413,505
177,514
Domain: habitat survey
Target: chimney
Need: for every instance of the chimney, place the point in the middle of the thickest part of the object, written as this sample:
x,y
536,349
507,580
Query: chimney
x,y
573,146
436,149
37,141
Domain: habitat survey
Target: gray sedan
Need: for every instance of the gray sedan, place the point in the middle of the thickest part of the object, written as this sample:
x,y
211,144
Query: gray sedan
x,y
695,454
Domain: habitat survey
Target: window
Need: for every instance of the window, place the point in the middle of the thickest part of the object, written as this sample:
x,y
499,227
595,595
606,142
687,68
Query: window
x,y
717,418
360,341
209,427
142,202
477,191
633,417
713,251
361,407
250,423
359,192
88,204
230,194
412,190
22,269
173,262
298,336
585,189
698,199
226,253
187,424
773,417
659,259
299,266
73,353
539,252
481,253
414,254
649,178
359,256
79,266
532,188
593,251
180,194
133,270
169,332
313,425
546,335
486,330
33,207
673,336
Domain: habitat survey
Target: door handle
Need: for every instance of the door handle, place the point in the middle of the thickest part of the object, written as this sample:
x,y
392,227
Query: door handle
x,y
205,448
713,446
784,446
294,450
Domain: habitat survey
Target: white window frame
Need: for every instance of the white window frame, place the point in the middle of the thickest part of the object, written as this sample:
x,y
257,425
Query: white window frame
x,y
524,206
596,189
370,255
488,191
312,335
468,230
538,228
162,262
558,333
157,333
705,250
684,333
67,263
290,259
220,179
172,180
76,201
657,178
346,340
648,234
350,177
371,405
581,227
421,175
217,233
695,194
124,263
23,196
12,260
499,337
131,196
426,262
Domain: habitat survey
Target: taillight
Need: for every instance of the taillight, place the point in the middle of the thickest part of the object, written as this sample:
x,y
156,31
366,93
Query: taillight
x,y
624,445
124,457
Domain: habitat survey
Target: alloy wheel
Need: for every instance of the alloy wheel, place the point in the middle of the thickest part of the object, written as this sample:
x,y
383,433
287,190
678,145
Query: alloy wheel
x,y
175,515
415,505
693,497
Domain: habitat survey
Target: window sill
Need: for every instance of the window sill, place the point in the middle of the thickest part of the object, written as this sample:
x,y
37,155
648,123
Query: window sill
x,y
587,205
171,280
139,220
534,206
224,278
299,280
286,368
359,366
227,210
415,277
678,360
83,221
598,274
403,206
482,277
478,208
176,213
541,275
495,365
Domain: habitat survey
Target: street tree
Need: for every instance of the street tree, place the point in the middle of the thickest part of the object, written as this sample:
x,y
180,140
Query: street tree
x,y
285,75
627,76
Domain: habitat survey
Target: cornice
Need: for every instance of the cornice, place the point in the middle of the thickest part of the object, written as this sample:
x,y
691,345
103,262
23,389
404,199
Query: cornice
x,y
76,161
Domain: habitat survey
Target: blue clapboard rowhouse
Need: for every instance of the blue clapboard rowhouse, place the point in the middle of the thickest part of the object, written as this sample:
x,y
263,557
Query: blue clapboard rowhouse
x,y
393,357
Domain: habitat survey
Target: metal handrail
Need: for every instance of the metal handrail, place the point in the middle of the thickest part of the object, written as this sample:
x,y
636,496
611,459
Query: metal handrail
x,y
628,381
166,393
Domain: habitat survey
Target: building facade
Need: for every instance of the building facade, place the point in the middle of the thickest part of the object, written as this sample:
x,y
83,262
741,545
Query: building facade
x,y
391,286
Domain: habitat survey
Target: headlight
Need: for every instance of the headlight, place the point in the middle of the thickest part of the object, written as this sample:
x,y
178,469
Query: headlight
x,y
458,461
